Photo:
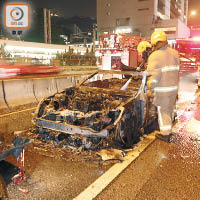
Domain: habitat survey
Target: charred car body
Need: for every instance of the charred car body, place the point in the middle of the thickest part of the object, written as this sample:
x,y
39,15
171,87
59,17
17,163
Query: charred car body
x,y
107,104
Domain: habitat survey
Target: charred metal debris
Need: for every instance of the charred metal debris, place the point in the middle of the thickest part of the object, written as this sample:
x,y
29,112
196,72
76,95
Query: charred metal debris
x,y
114,109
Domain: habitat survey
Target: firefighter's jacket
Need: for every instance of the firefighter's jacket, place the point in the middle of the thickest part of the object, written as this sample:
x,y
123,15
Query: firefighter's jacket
x,y
163,68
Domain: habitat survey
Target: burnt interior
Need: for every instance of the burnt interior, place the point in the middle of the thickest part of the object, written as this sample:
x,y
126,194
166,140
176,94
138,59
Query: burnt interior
x,y
93,104
115,84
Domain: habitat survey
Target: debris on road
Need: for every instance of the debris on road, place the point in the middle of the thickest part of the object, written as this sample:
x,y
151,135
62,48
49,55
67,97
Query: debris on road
x,y
3,191
17,150
74,142
111,154
24,190
18,133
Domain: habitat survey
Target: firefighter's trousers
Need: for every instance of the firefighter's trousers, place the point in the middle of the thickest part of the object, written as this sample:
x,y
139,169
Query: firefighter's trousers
x,y
165,107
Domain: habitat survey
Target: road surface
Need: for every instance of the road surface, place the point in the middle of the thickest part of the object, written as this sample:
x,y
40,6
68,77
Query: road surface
x,y
158,170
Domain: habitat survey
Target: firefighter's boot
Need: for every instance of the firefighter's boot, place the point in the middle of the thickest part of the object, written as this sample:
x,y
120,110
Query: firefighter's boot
x,y
164,137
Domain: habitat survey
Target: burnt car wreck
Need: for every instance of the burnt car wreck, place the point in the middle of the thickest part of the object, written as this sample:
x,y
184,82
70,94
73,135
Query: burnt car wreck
x,y
108,104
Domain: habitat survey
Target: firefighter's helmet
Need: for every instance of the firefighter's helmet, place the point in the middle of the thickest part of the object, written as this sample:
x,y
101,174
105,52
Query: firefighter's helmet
x,y
158,36
142,46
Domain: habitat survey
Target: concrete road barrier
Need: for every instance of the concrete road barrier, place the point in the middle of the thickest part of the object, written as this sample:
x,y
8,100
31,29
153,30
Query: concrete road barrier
x,y
64,82
79,79
25,91
44,87
19,92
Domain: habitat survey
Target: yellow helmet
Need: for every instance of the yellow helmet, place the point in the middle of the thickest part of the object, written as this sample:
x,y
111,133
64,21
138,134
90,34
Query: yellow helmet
x,y
158,36
142,46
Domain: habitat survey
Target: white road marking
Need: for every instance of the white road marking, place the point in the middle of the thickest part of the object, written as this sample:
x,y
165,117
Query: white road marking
x,y
12,113
103,181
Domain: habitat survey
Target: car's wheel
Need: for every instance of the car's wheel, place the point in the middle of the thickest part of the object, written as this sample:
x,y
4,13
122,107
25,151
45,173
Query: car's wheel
x,y
152,126
126,132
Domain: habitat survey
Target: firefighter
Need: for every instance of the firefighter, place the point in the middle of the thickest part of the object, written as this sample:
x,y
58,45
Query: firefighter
x,y
145,49
163,68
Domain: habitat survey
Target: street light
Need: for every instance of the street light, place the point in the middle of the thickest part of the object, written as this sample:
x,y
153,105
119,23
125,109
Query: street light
x,y
193,13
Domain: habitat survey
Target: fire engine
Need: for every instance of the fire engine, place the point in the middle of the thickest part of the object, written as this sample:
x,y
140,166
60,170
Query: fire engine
x,y
118,49
189,51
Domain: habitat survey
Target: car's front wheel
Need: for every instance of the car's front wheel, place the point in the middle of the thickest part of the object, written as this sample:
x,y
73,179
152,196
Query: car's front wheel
x,y
126,131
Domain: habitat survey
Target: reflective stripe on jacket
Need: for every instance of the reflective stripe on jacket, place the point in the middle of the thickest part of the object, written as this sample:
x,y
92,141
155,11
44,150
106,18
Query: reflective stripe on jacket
x,y
170,68
166,89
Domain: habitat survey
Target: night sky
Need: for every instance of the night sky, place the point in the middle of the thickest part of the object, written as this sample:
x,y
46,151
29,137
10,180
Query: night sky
x,y
69,8
194,5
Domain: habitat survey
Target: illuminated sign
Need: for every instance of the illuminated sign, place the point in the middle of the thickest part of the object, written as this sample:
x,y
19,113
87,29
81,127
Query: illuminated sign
x,y
16,16
123,30
166,29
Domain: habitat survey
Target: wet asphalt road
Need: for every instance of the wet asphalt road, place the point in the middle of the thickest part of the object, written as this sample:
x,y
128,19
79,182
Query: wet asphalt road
x,y
163,171
14,122
167,171
51,178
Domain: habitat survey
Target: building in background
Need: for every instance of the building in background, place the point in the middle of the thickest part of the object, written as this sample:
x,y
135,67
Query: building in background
x,y
195,31
142,17
37,50
79,30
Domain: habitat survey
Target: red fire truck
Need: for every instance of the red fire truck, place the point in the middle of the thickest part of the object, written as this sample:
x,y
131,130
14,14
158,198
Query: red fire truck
x,y
189,51
118,49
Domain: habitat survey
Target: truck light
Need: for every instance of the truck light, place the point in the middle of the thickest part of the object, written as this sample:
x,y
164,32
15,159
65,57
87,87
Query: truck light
x,y
196,38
